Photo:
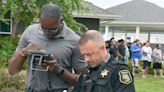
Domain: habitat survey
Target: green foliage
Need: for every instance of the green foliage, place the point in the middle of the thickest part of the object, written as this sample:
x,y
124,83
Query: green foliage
x,y
9,81
139,70
7,48
28,10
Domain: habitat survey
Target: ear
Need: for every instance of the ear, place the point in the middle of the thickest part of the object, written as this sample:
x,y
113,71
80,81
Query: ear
x,y
102,46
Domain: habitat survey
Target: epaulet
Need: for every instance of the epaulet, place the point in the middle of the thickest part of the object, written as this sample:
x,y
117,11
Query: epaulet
x,y
116,62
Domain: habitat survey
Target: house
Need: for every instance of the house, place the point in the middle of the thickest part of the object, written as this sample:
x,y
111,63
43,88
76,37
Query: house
x,y
94,16
140,20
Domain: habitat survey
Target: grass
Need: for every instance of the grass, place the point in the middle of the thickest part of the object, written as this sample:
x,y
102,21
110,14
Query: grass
x,y
150,84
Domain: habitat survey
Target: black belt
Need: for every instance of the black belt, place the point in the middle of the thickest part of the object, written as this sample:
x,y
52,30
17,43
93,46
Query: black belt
x,y
52,90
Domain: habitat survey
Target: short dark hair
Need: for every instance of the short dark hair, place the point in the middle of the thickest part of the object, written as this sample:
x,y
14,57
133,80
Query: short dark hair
x,y
92,35
157,45
137,40
121,40
50,11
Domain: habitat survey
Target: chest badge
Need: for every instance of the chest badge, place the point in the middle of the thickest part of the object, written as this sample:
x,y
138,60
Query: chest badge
x,y
104,73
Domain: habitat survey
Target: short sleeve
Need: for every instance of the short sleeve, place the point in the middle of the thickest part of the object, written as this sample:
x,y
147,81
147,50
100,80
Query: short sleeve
x,y
133,47
23,40
77,58
122,81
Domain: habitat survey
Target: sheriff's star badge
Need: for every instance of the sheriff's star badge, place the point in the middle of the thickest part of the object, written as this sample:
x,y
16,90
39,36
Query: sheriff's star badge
x,y
104,73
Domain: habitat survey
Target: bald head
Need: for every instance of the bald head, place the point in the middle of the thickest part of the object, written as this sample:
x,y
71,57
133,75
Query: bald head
x,y
92,35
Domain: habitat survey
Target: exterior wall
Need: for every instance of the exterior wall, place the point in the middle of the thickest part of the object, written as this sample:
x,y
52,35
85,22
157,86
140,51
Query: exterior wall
x,y
90,23
155,36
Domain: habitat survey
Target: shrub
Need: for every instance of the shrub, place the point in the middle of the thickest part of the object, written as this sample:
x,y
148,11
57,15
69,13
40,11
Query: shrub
x,y
7,48
139,70
7,81
12,81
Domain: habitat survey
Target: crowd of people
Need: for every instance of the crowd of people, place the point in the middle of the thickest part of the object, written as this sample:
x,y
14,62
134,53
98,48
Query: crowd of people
x,y
138,53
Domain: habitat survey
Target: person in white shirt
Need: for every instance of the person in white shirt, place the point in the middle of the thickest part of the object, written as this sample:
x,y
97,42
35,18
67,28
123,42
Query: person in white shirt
x,y
146,53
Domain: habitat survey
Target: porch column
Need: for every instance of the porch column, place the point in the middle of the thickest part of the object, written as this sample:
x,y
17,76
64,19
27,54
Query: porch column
x,y
113,32
149,36
106,32
137,32
125,35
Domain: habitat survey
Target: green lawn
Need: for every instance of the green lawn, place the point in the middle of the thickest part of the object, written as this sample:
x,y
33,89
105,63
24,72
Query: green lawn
x,y
150,84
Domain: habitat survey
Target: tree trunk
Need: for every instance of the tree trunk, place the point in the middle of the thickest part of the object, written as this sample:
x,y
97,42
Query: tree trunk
x,y
14,29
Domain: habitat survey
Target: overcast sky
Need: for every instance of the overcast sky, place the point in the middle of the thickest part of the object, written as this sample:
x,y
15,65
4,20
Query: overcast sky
x,y
110,3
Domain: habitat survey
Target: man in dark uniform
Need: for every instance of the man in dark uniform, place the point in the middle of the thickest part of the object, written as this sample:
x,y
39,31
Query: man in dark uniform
x,y
102,74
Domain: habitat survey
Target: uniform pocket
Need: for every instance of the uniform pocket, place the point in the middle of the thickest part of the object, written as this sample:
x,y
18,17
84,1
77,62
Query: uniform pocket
x,y
101,82
100,85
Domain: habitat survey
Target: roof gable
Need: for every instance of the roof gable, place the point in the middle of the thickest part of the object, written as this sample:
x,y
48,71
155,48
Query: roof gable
x,y
138,11
95,12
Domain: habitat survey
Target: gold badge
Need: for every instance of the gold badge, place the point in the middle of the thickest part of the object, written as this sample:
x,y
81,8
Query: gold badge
x,y
125,76
104,73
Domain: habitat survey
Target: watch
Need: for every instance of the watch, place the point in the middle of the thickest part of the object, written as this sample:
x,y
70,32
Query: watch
x,y
60,70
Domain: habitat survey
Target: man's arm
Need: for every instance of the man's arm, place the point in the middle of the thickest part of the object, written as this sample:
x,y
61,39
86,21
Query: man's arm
x,y
136,50
16,62
78,64
70,78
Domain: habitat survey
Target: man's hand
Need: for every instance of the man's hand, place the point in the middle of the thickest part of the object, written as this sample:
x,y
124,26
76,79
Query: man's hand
x,y
31,46
53,65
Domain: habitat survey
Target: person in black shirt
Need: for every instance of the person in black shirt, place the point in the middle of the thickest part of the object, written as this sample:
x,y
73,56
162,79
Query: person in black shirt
x,y
121,49
113,49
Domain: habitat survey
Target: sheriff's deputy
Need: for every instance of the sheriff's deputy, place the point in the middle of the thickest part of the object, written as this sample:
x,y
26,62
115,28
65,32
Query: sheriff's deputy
x,y
102,74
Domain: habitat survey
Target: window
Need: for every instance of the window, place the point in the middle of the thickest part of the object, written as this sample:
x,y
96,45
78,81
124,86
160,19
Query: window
x,y
5,26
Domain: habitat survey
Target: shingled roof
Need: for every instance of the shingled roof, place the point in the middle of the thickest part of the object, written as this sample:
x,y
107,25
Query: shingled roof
x,y
93,9
95,12
138,11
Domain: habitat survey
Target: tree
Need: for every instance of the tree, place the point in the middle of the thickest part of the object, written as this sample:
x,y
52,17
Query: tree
x,y
28,10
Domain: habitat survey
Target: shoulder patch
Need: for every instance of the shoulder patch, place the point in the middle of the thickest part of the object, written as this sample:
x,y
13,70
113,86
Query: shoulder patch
x,y
125,77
